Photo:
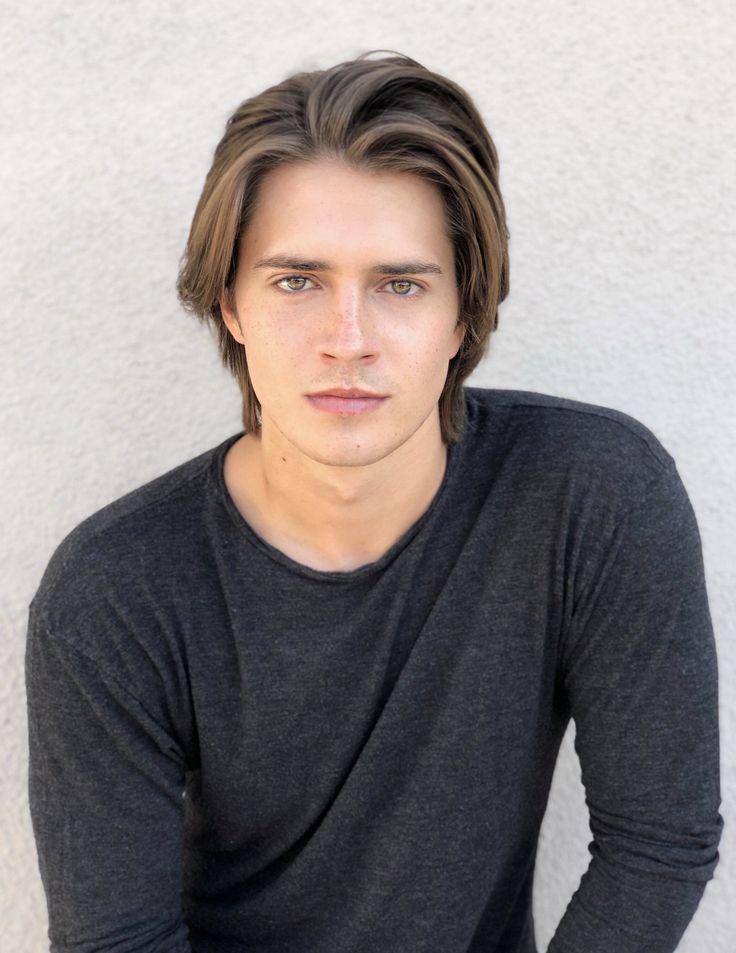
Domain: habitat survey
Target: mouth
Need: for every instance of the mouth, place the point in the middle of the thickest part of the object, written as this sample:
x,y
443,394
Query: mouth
x,y
347,392
336,403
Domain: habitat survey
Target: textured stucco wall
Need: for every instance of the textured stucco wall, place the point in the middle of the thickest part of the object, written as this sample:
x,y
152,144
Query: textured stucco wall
x,y
615,125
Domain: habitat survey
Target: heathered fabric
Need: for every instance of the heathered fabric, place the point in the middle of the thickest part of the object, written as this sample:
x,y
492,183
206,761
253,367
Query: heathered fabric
x,y
232,751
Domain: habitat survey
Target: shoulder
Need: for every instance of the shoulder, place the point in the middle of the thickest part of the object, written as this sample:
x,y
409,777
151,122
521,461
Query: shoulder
x,y
566,424
562,442
109,555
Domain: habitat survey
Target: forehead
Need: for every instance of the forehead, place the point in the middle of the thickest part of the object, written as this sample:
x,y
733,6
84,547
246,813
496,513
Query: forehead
x,y
331,202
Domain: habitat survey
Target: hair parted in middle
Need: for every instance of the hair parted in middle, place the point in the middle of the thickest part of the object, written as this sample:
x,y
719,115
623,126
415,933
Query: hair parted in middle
x,y
391,114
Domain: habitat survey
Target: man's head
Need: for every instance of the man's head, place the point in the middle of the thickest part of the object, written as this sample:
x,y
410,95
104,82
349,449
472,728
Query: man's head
x,y
383,121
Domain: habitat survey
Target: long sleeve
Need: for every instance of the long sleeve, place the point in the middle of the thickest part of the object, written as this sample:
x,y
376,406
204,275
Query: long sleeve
x,y
640,674
105,791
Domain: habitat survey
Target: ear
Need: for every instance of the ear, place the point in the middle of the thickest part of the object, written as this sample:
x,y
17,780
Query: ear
x,y
230,317
458,336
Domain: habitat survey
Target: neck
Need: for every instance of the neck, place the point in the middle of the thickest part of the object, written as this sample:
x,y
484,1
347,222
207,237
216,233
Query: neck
x,y
338,517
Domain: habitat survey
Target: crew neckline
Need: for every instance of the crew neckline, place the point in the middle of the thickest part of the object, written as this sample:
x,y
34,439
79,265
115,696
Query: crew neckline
x,y
331,575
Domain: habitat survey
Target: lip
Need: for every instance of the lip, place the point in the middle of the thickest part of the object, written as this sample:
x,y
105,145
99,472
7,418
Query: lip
x,y
334,404
346,392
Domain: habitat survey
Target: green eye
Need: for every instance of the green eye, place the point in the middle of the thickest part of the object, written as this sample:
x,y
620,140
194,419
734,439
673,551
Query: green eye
x,y
402,286
407,283
291,278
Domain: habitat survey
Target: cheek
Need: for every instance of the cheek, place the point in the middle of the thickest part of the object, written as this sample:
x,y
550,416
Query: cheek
x,y
260,333
275,347
290,338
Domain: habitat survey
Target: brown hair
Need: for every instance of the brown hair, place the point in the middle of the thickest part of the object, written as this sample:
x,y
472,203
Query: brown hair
x,y
390,113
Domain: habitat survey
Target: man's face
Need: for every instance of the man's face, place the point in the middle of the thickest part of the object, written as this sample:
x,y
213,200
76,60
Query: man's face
x,y
330,319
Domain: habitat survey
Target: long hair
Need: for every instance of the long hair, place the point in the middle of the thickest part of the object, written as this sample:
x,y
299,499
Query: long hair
x,y
392,114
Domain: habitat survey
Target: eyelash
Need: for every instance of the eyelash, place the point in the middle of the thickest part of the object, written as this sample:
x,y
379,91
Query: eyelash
x,y
391,281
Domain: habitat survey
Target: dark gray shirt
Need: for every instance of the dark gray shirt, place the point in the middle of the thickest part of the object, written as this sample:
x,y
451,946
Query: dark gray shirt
x,y
231,751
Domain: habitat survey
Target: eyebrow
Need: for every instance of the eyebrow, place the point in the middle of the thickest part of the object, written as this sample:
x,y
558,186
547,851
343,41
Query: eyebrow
x,y
385,268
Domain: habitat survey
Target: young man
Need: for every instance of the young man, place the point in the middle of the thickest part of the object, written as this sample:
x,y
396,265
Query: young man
x,y
306,691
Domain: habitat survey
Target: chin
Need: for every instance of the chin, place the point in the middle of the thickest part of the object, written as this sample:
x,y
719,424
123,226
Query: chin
x,y
362,456
350,451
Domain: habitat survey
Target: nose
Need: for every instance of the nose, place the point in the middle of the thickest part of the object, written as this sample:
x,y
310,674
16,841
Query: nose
x,y
350,332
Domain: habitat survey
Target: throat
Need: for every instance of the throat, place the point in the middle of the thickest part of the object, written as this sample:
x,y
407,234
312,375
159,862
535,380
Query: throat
x,y
315,528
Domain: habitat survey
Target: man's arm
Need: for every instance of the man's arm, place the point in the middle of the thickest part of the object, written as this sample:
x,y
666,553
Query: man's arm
x,y
105,789
640,672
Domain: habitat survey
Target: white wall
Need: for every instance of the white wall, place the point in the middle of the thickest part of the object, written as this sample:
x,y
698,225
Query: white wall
x,y
616,133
